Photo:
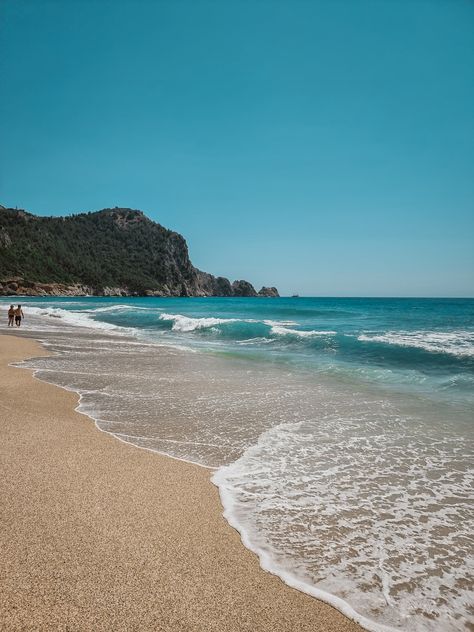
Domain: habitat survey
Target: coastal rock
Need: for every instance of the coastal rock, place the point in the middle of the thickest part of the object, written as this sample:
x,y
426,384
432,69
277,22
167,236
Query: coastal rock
x,y
29,288
243,288
5,239
114,291
112,252
268,291
210,285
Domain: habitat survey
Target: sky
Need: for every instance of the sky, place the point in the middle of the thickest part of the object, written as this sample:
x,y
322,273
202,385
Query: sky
x,y
325,147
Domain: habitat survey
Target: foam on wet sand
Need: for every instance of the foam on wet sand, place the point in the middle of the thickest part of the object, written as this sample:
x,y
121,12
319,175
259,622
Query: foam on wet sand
x,y
99,535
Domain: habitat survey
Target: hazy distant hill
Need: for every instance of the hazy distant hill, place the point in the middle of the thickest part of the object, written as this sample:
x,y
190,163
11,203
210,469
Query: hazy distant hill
x,y
113,251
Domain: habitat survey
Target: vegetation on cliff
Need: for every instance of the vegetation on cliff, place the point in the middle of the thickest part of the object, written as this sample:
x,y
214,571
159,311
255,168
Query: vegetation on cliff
x,y
115,251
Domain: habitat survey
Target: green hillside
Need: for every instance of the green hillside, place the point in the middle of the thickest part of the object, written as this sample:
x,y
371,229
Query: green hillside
x,y
112,247
115,250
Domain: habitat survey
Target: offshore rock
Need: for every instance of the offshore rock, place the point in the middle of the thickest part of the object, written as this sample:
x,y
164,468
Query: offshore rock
x,y
268,291
243,288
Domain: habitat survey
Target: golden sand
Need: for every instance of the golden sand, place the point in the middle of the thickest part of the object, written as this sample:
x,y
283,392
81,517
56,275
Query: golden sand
x,y
96,534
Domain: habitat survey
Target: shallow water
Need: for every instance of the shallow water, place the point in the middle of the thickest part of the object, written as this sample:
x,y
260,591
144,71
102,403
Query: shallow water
x,y
341,430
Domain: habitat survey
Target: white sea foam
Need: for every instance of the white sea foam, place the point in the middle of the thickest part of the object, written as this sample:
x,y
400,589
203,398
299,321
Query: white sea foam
x,y
285,331
367,513
186,323
282,323
459,343
124,308
70,317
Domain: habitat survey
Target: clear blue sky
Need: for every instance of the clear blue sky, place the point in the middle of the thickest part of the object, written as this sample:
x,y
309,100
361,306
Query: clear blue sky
x,y
326,147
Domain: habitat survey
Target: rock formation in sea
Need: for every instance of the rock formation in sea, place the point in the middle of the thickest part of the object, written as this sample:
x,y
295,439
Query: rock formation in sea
x,y
243,288
112,252
268,291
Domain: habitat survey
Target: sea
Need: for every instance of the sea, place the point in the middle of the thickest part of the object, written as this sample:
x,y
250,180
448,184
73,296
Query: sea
x,y
339,431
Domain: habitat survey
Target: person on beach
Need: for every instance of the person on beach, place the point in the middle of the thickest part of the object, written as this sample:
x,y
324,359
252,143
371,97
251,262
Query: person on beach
x,y
11,316
18,316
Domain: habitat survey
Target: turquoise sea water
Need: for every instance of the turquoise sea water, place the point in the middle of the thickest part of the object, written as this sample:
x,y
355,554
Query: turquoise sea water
x,y
340,430
425,344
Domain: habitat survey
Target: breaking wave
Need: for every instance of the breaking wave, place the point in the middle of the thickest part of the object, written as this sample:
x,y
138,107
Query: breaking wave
x,y
187,323
269,327
75,318
458,343
285,331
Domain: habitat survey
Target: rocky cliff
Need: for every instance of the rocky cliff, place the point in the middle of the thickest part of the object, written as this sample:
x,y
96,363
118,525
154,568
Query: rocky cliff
x,y
113,252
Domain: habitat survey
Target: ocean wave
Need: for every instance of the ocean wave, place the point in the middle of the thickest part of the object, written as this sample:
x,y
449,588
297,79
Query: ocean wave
x,y
80,319
187,323
278,330
260,340
278,323
122,308
458,343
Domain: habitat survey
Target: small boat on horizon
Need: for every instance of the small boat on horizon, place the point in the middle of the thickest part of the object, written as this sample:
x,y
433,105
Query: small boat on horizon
x,y
295,296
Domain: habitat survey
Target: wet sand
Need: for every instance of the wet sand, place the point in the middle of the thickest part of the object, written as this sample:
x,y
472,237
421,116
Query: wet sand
x,y
96,534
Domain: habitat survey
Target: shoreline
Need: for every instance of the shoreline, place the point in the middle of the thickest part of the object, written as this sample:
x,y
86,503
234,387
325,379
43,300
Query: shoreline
x,y
101,536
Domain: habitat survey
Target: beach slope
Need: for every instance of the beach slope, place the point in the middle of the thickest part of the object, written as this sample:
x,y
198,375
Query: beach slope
x,y
99,535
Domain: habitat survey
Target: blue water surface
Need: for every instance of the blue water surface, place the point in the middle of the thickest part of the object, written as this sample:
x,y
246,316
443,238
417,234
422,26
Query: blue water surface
x,y
426,345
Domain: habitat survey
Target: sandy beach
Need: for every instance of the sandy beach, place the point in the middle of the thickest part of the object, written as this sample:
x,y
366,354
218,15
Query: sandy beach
x,y
100,535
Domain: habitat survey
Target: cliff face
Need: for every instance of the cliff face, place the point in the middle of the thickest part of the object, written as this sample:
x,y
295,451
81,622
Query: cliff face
x,y
113,252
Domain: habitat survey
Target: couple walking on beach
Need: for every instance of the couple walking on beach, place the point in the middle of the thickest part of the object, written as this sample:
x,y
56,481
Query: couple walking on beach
x,y
15,315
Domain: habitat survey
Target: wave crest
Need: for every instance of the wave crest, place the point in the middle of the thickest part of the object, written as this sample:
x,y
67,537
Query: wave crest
x,y
80,319
285,331
458,343
187,323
